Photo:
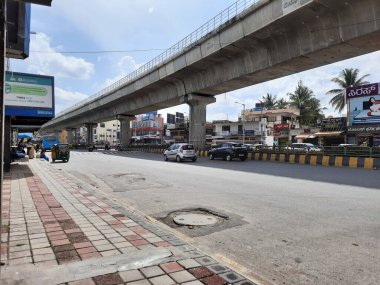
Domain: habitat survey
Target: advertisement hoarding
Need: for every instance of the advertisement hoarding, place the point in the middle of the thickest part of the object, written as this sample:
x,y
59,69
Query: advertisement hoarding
x,y
281,127
18,29
29,95
170,118
333,124
363,105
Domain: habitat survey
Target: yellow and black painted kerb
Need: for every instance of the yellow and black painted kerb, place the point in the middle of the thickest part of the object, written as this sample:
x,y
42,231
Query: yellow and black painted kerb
x,y
318,159
308,159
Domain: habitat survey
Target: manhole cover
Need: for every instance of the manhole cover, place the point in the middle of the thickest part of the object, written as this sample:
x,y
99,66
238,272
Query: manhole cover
x,y
195,220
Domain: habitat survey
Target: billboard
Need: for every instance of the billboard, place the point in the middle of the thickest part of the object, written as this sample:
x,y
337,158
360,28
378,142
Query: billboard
x,y
363,105
149,116
18,26
281,127
179,118
170,118
29,95
333,124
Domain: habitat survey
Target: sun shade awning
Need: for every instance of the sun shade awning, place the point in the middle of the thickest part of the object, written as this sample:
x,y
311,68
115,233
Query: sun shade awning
x,y
303,136
329,134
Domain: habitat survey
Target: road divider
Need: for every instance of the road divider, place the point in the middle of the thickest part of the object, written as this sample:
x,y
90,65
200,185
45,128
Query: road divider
x,y
297,158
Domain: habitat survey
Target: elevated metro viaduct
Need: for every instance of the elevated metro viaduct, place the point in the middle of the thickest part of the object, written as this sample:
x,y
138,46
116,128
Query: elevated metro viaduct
x,y
268,40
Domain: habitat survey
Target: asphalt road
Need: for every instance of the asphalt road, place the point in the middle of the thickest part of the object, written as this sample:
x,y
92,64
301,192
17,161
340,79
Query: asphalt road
x,y
292,224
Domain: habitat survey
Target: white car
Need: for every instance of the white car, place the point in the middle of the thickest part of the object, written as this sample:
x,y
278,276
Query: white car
x,y
180,152
306,147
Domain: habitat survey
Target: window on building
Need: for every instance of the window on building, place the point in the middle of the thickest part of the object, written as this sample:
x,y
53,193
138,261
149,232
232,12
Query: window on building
x,y
272,119
102,125
226,128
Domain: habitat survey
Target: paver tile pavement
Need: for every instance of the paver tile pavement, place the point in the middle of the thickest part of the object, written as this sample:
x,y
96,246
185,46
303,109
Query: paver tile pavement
x,y
52,223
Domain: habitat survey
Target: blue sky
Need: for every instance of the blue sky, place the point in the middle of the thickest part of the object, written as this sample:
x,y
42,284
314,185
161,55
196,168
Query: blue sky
x,y
152,26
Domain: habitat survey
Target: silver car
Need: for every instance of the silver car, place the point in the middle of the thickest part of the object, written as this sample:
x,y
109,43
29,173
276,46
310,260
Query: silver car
x,y
305,147
180,152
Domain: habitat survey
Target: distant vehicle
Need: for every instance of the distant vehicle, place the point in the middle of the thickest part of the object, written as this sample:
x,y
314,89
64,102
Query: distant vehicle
x,y
306,147
180,152
228,151
249,146
346,145
60,152
49,140
120,147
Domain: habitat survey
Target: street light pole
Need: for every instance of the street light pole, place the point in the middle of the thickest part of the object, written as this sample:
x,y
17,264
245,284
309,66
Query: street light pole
x,y
261,127
243,119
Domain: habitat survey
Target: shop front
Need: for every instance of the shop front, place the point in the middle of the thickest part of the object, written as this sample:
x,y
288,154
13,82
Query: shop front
x,y
364,136
332,131
363,106
281,134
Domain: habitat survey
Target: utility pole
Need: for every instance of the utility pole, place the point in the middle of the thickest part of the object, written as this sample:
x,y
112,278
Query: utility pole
x,y
3,21
243,120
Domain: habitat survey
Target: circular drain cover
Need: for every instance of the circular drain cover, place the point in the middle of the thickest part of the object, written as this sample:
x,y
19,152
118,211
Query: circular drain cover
x,y
195,220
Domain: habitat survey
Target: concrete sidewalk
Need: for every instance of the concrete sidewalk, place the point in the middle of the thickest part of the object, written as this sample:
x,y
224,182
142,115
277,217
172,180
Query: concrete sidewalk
x,y
54,232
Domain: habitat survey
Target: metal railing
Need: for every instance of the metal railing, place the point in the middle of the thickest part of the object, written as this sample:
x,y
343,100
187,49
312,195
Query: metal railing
x,y
223,17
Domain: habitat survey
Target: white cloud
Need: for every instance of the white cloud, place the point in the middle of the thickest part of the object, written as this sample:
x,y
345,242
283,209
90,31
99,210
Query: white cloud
x,y
64,95
45,59
151,9
65,98
125,66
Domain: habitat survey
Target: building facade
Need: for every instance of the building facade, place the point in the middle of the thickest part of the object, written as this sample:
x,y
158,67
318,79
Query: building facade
x,y
107,133
147,129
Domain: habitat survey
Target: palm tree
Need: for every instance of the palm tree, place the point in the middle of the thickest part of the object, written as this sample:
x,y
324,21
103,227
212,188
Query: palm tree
x,y
309,106
349,77
269,101
282,103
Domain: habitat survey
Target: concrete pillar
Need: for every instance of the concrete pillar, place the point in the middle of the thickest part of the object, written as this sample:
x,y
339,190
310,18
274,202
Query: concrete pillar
x,y
197,114
125,128
90,132
7,144
70,137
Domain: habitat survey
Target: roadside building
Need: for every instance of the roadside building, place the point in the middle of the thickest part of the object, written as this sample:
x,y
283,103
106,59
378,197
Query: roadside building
x,y
147,129
260,126
280,125
107,133
332,131
233,131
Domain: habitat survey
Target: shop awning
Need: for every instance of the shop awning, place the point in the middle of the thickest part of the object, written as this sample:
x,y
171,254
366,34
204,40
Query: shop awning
x,y
329,134
303,136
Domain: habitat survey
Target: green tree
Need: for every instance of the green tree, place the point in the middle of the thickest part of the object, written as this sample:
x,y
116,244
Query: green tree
x,y
282,103
349,77
310,107
269,101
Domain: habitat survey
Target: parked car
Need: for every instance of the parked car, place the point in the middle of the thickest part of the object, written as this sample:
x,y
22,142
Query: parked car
x,y
306,147
228,151
120,147
180,152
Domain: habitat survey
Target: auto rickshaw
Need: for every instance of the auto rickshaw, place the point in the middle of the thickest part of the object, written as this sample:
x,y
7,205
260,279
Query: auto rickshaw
x,y
60,152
